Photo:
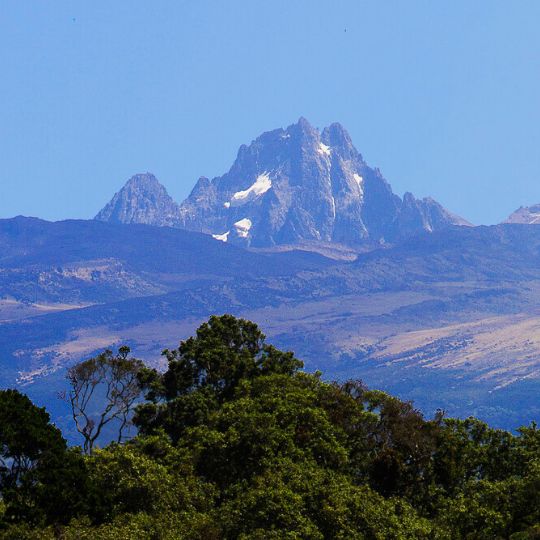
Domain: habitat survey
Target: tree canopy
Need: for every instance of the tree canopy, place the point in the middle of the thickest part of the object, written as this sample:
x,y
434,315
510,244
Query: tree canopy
x,y
236,441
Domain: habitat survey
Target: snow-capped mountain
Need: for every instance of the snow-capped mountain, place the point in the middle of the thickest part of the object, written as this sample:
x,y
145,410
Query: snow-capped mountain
x,y
291,186
298,184
529,215
142,200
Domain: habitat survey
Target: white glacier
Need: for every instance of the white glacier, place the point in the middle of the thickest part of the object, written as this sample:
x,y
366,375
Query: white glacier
x,y
360,181
223,237
242,227
323,149
261,185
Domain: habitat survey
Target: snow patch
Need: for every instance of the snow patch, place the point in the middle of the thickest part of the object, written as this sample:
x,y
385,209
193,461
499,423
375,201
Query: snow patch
x,y
360,181
261,185
528,217
242,227
223,237
323,149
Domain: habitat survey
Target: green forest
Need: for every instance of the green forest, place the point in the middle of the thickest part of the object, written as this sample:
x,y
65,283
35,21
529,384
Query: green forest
x,y
235,440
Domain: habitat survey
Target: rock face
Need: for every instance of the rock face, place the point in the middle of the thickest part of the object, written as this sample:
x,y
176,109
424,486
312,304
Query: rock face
x,y
142,200
299,185
529,215
289,186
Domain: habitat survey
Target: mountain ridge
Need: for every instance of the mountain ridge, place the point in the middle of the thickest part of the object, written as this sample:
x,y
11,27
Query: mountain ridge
x,y
289,186
451,315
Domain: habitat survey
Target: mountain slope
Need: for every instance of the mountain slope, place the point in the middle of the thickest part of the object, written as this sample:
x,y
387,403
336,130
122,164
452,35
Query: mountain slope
x,y
142,200
450,318
288,187
87,262
529,215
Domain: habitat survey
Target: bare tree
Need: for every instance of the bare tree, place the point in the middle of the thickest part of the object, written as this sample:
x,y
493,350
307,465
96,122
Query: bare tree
x,y
103,389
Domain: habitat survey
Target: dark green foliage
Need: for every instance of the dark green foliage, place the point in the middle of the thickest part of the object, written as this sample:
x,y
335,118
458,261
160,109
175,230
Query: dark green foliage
x,y
41,480
26,438
204,371
236,442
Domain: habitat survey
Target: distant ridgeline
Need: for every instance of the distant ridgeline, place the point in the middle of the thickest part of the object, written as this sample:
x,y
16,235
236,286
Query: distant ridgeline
x,y
290,186
235,441
448,318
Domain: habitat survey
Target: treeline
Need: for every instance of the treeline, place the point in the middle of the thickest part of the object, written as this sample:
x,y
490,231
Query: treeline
x,y
235,441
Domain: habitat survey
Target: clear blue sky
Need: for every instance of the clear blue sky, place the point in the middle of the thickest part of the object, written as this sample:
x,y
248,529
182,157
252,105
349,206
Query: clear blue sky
x,y
444,97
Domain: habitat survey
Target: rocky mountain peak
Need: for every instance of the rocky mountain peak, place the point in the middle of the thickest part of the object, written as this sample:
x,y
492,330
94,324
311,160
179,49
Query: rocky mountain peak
x,y
299,185
288,186
146,181
336,136
302,125
142,200
529,215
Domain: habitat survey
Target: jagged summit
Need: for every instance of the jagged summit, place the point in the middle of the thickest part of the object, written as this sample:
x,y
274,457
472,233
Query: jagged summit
x,y
300,184
528,215
289,186
142,200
